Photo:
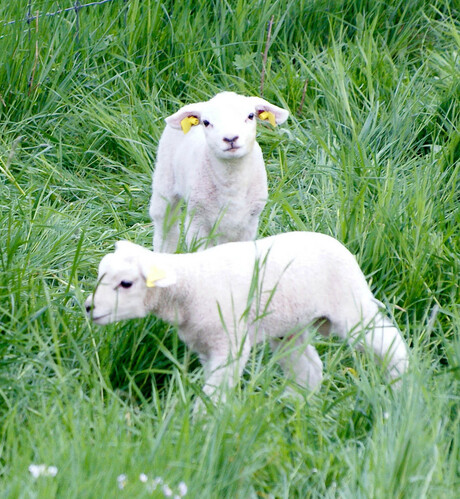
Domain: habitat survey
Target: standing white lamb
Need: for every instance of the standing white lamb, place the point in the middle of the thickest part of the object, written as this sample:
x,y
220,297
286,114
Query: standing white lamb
x,y
225,299
208,158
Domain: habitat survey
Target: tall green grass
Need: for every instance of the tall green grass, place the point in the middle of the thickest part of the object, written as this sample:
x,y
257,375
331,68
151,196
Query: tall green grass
x,y
370,155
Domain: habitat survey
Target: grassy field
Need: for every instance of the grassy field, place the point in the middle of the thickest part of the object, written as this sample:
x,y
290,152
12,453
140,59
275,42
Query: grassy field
x,y
370,155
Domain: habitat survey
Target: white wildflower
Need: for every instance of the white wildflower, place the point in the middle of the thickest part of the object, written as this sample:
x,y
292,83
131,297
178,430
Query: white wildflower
x,y
167,491
182,489
153,484
143,477
37,470
52,470
121,480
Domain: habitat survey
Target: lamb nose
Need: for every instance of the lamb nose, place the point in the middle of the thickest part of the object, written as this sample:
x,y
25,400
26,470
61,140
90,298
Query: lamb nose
x,y
230,141
88,308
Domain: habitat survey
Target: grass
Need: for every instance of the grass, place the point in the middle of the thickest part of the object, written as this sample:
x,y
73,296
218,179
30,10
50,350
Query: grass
x,y
370,155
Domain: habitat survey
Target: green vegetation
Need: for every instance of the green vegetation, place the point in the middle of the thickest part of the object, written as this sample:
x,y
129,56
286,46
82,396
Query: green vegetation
x,y
370,155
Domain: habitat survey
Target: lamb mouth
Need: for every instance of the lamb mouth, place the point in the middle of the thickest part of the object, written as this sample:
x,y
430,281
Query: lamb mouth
x,y
99,317
232,149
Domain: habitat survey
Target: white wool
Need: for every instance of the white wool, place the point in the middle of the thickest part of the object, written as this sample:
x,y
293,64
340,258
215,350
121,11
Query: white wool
x,y
216,169
225,299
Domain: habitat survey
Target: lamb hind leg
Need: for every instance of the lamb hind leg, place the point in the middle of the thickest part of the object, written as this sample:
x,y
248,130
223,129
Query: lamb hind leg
x,y
386,341
299,360
380,335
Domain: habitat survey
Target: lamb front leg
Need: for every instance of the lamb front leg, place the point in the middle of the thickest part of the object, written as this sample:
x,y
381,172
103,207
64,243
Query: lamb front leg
x,y
223,370
165,214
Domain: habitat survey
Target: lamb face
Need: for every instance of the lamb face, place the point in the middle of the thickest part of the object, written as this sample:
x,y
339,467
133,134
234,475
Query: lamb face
x,y
120,293
229,122
230,129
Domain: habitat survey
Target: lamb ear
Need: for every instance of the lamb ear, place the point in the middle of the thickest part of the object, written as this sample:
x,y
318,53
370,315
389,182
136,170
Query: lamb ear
x,y
262,106
157,275
179,120
123,244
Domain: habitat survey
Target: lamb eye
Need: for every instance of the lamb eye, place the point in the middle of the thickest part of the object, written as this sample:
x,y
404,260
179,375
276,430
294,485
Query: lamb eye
x,y
251,116
205,122
126,284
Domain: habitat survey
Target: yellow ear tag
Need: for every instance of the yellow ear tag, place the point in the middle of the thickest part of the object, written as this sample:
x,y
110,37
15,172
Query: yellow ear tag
x,y
188,122
154,275
267,115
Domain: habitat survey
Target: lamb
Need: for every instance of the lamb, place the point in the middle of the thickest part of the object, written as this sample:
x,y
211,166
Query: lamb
x,y
208,158
227,298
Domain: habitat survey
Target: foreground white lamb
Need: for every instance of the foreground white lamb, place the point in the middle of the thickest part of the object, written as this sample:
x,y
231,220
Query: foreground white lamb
x,y
208,157
225,299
